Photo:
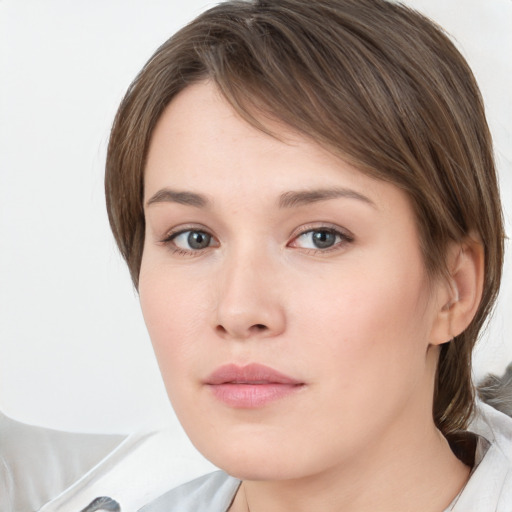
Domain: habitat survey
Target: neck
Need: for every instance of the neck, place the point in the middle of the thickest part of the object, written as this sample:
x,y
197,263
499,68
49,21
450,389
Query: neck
x,y
396,478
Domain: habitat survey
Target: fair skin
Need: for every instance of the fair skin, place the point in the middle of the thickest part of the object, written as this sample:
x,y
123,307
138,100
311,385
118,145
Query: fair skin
x,y
278,253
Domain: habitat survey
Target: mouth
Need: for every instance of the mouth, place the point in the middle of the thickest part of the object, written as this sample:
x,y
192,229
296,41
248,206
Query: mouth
x,y
252,386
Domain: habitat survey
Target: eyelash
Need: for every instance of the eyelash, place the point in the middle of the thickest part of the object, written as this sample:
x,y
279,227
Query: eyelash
x,y
344,239
344,236
168,241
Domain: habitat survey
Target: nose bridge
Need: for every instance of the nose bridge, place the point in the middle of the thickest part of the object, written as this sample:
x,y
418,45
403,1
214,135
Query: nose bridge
x,y
248,303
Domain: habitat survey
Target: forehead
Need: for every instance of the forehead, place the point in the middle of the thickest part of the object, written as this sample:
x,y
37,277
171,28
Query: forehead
x,y
199,118
201,145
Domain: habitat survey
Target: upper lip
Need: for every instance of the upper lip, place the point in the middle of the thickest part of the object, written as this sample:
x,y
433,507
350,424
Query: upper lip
x,y
253,373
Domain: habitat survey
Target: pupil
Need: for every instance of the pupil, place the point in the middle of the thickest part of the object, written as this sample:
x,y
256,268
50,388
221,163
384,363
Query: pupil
x,y
323,239
198,240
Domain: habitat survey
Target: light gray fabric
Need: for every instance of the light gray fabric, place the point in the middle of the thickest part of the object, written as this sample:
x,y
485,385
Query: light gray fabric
x,y
489,488
210,493
142,468
37,464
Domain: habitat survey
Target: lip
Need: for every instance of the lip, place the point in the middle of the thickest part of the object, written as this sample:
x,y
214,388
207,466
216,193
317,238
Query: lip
x,y
251,386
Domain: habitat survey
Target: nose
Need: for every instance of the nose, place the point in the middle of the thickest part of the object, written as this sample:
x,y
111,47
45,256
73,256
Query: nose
x,y
249,304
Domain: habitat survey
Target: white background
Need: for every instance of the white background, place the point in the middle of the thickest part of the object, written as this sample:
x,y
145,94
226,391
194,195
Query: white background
x,y
74,353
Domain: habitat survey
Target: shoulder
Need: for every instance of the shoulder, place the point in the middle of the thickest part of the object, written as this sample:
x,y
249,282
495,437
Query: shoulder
x,y
210,493
490,485
37,464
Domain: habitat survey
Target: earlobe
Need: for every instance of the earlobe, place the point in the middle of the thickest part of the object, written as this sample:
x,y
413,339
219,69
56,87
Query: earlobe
x,y
462,291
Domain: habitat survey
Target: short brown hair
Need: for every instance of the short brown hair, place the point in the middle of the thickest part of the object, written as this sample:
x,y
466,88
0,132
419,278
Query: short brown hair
x,y
373,81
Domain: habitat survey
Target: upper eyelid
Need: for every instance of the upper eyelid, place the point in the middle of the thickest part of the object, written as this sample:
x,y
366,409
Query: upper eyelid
x,y
173,232
327,226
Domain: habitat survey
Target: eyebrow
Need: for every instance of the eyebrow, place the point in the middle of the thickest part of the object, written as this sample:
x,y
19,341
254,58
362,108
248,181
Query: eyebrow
x,y
166,195
303,197
290,199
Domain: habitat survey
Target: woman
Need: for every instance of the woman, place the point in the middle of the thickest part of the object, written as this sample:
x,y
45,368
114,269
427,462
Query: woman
x,y
306,198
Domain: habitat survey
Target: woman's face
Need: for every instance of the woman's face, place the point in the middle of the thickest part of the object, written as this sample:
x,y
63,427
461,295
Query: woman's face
x,y
285,295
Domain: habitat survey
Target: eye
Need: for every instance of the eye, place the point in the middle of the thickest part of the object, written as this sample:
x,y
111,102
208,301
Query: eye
x,y
190,240
320,239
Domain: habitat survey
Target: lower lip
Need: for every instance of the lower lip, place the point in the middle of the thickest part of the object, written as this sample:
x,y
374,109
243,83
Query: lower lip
x,y
252,396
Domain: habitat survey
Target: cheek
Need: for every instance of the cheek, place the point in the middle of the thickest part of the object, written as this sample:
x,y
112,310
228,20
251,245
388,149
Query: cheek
x,y
372,320
174,314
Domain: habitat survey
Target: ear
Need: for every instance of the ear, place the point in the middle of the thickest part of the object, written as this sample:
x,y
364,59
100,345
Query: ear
x,y
460,294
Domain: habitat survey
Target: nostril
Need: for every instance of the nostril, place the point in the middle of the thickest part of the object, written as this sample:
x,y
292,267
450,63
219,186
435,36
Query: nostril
x,y
243,331
221,329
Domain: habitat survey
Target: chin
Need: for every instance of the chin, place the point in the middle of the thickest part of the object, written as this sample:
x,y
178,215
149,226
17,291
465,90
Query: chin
x,y
258,460
259,470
